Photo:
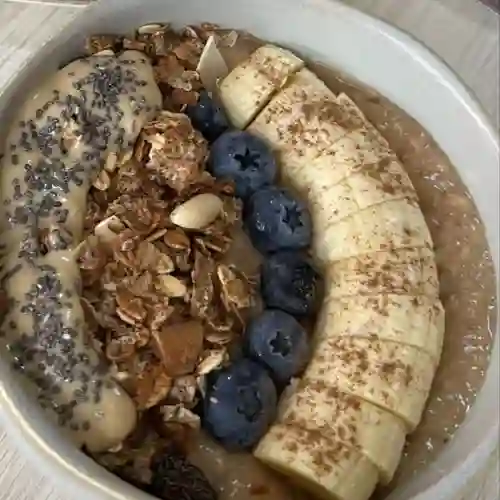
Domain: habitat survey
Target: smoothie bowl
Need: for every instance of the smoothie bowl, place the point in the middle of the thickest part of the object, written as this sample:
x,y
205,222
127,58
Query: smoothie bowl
x,y
250,259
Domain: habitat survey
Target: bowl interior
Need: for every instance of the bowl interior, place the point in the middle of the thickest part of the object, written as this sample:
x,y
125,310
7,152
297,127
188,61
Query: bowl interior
x,y
373,53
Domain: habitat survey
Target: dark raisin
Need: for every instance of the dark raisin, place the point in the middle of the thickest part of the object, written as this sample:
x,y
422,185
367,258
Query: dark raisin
x,y
175,477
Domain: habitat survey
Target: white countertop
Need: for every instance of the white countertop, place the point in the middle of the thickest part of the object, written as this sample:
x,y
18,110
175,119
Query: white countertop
x,y
463,32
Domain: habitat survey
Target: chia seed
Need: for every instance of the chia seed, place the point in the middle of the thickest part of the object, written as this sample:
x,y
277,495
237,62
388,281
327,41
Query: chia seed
x,y
61,215
52,178
18,194
80,395
55,389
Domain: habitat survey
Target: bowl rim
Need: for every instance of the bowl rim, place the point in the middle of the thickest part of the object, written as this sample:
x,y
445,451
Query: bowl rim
x,y
40,440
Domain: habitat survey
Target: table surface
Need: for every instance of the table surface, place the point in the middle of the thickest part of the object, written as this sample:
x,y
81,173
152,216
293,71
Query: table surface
x,y
464,33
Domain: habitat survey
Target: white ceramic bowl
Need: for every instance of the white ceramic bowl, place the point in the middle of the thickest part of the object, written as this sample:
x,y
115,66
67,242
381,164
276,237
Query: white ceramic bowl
x,y
373,52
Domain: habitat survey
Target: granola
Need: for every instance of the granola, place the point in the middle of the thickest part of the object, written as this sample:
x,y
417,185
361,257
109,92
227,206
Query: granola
x,y
174,151
163,300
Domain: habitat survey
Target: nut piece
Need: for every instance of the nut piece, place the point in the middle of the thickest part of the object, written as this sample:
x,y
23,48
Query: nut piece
x,y
198,212
212,67
179,346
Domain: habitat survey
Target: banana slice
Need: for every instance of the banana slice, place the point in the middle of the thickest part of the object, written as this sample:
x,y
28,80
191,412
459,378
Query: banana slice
x,y
302,121
250,86
410,271
349,421
318,463
348,155
392,376
350,106
366,186
387,226
413,320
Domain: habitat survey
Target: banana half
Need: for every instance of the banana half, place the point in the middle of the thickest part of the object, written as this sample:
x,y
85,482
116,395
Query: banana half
x,y
379,336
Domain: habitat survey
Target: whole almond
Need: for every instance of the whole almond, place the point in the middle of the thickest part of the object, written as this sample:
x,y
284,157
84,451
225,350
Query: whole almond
x,y
198,212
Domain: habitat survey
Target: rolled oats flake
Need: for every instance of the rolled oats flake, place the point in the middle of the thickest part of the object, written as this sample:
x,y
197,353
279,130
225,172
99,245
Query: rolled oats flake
x,y
211,360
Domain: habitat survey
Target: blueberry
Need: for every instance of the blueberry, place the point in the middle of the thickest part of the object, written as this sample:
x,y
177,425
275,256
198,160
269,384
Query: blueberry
x,y
208,117
275,220
289,283
240,404
278,341
244,159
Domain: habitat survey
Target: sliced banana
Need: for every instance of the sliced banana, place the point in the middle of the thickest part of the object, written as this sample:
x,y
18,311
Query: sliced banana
x,y
350,106
366,186
314,133
380,331
414,320
352,422
393,376
350,177
318,463
302,121
343,158
384,227
410,271
250,86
